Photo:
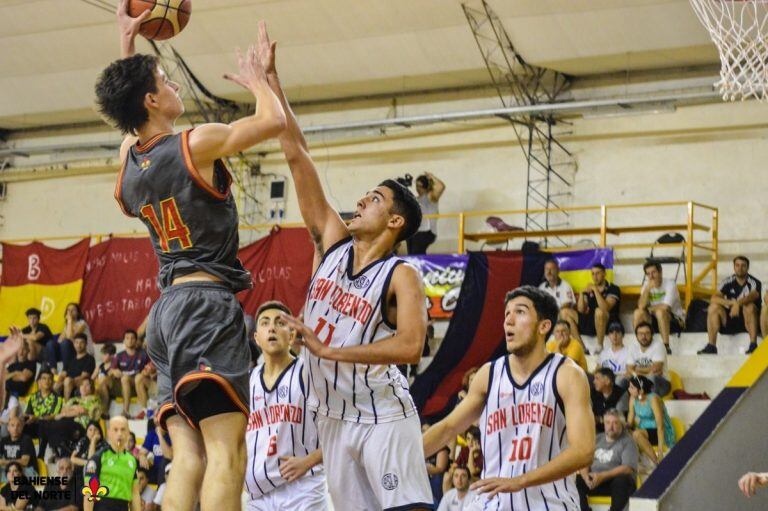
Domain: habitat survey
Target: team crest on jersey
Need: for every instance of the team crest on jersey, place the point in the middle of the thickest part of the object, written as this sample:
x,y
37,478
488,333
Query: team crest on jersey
x,y
145,163
282,391
537,389
389,481
361,282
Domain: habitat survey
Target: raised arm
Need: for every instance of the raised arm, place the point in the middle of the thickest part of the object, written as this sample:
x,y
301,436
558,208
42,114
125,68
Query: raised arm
x,y
438,187
463,416
325,225
129,29
405,347
580,431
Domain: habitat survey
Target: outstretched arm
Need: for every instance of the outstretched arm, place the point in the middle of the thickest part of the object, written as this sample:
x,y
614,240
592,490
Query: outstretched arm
x,y
129,29
405,347
325,225
580,426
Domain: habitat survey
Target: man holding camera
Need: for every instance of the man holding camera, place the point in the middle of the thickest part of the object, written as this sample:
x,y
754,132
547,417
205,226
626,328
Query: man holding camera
x,y
428,192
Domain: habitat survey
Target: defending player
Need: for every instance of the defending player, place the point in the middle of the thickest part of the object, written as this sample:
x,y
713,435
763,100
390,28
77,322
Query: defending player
x,y
370,311
177,185
283,471
536,421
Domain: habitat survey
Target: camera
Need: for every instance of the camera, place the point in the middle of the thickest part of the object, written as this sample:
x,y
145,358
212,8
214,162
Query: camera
x,y
406,180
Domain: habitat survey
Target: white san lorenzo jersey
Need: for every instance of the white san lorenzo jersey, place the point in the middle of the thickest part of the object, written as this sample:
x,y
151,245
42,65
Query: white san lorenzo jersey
x,y
349,310
523,428
279,424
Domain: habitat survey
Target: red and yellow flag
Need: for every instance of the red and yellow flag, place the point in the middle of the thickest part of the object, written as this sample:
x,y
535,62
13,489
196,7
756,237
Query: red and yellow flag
x,y
38,276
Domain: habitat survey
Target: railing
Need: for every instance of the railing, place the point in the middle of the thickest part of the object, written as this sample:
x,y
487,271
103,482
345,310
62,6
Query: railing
x,y
604,223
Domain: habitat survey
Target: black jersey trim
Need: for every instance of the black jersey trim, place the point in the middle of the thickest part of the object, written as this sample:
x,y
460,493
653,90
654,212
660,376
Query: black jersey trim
x,y
195,174
325,256
351,262
277,381
532,375
415,505
385,291
558,399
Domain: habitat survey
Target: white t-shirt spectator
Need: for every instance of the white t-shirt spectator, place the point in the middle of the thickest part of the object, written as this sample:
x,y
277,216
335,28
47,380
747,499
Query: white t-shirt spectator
x,y
563,293
148,496
656,352
667,294
616,361
451,501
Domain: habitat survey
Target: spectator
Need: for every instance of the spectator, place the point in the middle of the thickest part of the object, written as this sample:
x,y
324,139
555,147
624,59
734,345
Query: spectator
x,y
460,496
86,447
428,192
61,495
470,455
21,373
12,409
36,334
42,406
16,496
736,307
74,324
466,380
156,452
18,448
614,466
649,358
566,345
100,374
132,447
648,413
750,482
145,490
125,366
562,292
615,358
146,385
437,465
597,305
659,303
71,422
75,370
160,492
606,396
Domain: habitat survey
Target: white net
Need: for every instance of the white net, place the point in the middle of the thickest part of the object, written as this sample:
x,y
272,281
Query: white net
x,y
739,29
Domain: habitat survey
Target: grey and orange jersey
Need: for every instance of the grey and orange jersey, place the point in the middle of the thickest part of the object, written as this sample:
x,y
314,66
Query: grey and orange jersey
x,y
193,225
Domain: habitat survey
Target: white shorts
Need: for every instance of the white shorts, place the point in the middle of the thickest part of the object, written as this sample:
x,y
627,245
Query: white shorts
x,y
372,467
305,494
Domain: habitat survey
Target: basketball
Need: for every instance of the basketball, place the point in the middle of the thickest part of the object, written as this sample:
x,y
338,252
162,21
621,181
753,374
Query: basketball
x,y
169,17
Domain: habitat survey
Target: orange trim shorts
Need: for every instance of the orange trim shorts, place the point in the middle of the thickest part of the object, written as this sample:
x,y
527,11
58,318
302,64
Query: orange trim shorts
x,y
197,339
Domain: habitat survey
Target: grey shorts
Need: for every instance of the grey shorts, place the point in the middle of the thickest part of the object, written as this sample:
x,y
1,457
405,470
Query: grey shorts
x,y
196,337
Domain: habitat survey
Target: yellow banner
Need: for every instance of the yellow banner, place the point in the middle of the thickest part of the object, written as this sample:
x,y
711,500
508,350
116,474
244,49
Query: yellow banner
x,y
578,279
52,301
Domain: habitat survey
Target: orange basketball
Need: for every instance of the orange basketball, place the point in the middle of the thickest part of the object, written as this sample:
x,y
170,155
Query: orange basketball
x,y
169,17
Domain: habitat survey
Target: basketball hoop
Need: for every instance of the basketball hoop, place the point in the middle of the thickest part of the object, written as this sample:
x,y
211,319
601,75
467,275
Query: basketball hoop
x,y
739,29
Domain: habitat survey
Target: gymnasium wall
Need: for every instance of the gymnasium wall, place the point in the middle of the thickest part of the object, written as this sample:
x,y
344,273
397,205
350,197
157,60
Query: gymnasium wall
x,y
713,154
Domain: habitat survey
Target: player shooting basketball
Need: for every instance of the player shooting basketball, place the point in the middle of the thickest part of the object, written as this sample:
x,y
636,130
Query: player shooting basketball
x,y
178,186
369,310
536,421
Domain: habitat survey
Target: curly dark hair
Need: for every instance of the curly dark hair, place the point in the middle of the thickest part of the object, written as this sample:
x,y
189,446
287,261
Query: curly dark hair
x,y
405,205
121,88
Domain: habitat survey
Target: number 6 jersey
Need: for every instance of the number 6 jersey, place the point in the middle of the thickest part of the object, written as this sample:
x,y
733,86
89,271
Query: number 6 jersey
x,y
523,428
279,425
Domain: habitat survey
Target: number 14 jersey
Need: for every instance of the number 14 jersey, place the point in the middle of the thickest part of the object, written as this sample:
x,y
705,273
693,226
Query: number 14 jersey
x,y
523,428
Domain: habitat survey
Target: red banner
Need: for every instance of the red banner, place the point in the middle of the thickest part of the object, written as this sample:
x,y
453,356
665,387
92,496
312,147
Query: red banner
x,y
280,266
38,264
120,286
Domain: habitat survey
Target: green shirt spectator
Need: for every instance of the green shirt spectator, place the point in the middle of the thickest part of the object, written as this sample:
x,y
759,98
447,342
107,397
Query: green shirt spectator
x,y
40,405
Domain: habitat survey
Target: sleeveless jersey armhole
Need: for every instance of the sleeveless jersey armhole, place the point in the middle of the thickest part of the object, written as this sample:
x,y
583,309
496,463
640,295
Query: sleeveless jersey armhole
x,y
558,399
195,174
119,188
385,292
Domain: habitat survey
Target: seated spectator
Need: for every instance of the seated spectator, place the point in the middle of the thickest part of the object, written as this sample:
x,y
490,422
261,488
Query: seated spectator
x,y
121,377
437,465
156,452
16,496
11,409
145,490
615,357
146,385
71,421
563,294
606,395
75,370
42,406
470,455
107,352
659,303
61,495
597,305
64,348
736,307
649,414
429,189
160,492
18,448
649,358
21,373
566,345
614,467
86,447
131,447
459,496
466,380
37,334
